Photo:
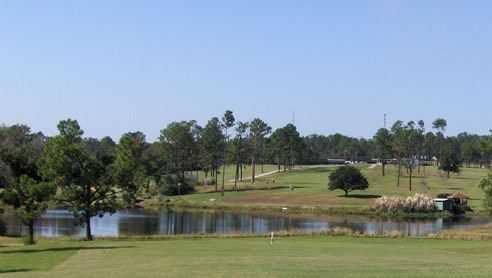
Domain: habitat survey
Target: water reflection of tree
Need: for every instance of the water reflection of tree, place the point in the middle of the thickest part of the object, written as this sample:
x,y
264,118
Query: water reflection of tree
x,y
353,226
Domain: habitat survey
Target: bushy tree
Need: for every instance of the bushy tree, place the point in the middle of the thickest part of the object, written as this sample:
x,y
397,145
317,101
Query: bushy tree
x,y
154,164
347,178
85,183
29,198
21,185
212,145
5,174
486,186
172,185
179,140
128,167
450,161
287,145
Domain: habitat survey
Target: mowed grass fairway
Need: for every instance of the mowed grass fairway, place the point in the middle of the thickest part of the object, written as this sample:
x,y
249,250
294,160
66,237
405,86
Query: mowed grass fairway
x,y
319,256
230,172
311,189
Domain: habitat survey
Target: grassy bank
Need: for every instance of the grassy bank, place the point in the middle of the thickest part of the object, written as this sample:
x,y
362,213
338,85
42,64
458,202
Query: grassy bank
x,y
483,232
319,256
310,194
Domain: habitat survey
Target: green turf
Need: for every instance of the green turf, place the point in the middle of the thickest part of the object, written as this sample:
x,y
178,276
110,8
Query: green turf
x,y
230,172
253,257
311,189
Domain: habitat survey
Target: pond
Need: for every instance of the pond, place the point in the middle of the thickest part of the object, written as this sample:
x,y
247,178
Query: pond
x,y
55,223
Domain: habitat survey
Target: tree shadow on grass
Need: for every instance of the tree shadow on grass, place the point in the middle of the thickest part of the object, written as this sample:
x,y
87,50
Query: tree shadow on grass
x,y
271,188
455,188
462,178
318,170
14,270
305,183
360,196
63,249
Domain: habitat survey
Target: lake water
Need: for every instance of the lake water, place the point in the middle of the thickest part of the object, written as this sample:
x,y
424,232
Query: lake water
x,y
168,222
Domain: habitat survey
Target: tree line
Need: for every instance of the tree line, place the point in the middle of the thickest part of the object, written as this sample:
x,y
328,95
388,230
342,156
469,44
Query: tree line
x,y
92,176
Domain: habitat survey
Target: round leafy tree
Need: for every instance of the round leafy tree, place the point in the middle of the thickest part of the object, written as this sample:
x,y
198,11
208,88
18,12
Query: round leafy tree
x,y
486,186
347,178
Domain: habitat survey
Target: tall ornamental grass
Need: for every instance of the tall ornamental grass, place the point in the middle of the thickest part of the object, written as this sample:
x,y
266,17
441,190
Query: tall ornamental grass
x,y
419,203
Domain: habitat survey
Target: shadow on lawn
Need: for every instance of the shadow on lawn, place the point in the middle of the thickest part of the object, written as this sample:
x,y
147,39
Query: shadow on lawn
x,y
14,270
317,170
244,189
462,178
62,249
304,183
360,196
455,188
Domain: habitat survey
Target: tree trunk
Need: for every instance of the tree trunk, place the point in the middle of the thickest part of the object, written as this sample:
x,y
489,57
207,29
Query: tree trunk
x,y
384,168
399,173
346,193
241,167
224,167
236,177
30,225
410,178
253,169
214,171
223,178
88,232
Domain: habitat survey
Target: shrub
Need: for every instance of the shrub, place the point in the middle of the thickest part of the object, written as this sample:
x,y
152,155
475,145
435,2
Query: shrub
x,y
419,203
172,186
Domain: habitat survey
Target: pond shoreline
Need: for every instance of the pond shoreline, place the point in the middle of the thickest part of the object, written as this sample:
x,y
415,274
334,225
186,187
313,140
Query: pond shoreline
x,y
302,210
467,234
168,221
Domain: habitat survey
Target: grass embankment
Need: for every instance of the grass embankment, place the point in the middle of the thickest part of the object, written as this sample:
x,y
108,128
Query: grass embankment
x,y
306,256
483,232
311,193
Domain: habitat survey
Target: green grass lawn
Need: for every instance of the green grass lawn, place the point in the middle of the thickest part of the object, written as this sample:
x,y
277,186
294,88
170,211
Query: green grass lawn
x,y
318,256
230,172
311,189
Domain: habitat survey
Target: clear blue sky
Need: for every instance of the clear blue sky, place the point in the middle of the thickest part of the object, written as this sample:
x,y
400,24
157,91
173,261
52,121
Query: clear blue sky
x,y
120,66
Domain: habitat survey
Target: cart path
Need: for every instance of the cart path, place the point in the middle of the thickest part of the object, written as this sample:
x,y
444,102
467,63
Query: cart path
x,y
281,171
